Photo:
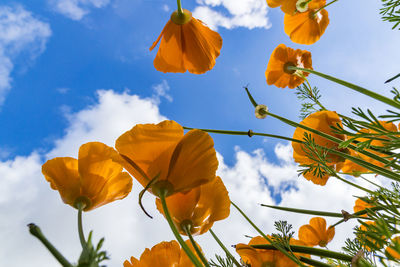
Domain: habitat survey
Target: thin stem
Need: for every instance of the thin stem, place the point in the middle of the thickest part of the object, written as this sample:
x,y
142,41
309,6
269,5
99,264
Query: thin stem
x,y
178,237
316,12
303,211
315,263
353,184
367,165
354,87
36,232
309,88
80,227
312,251
225,249
179,4
186,228
248,133
361,212
275,245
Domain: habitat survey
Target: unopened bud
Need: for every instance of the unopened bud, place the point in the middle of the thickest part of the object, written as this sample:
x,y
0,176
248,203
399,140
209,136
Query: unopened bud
x,y
261,111
346,215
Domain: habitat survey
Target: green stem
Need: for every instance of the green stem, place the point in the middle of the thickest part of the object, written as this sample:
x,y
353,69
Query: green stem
x,y
275,245
178,237
36,232
338,141
354,87
303,211
314,262
311,251
80,227
316,12
361,212
367,165
186,228
249,133
225,249
353,184
179,4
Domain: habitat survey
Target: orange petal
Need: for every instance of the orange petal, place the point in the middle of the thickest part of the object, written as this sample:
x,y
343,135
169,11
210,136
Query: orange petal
x,y
96,168
249,255
62,174
133,263
214,205
150,147
181,206
202,46
169,57
193,162
308,235
162,254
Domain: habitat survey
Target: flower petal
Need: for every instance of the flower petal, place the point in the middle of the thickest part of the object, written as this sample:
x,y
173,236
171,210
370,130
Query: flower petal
x,y
150,147
62,174
193,162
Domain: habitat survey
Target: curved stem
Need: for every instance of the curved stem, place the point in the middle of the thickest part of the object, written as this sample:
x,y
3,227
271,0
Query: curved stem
x,y
354,87
225,249
80,228
36,232
194,244
178,237
325,6
313,262
275,245
312,251
179,4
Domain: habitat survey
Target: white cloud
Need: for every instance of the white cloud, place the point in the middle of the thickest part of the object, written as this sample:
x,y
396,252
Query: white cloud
x,y
161,91
77,9
240,13
26,197
21,34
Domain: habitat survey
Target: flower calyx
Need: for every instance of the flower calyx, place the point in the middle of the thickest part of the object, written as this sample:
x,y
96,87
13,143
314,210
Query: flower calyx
x,y
162,188
82,203
181,18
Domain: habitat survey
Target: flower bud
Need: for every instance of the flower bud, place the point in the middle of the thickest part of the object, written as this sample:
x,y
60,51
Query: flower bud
x,y
261,111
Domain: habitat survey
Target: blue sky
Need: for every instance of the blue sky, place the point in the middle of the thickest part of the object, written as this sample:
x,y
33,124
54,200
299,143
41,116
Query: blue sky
x,y
54,59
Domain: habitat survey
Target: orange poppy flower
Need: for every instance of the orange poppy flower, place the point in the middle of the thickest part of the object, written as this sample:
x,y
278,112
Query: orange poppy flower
x,y
266,257
307,27
371,238
186,44
321,121
164,254
316,233
361,205
282,57
287,6
393,249
351,167
94,178
199,208
181,162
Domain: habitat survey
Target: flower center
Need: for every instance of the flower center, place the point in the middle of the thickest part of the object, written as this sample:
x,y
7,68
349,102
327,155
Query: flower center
x,y
82,202
162,188
288,71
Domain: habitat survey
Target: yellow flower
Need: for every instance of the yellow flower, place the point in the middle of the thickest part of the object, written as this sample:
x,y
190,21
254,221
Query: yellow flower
x,y
287,6
164,254
351,167
94,178
282,57
266,257
307,27
393,249
321,121
181,162
198,208
361,205
186,45
316,232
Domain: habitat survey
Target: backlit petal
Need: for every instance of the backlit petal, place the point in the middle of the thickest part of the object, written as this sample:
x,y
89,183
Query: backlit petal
x,y
62,174
193,162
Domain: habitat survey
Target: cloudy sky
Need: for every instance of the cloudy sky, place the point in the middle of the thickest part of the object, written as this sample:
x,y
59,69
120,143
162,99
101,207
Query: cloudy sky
x,y
74,71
